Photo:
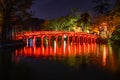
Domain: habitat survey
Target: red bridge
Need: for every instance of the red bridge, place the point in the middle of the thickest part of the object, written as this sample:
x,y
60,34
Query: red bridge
x,y
74,37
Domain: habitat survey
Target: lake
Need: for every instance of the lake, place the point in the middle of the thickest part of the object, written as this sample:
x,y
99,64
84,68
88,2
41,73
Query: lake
x,y
89,61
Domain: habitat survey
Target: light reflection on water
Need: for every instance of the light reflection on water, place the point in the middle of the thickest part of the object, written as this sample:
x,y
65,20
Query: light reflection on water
x,y
74,54
65,62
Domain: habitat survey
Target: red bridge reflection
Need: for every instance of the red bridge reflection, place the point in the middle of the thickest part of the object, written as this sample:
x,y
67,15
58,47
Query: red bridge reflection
x,y
63,50
101,55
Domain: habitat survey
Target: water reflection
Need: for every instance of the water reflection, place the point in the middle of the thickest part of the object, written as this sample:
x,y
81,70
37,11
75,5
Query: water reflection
x,y
74,54
64,50
74,61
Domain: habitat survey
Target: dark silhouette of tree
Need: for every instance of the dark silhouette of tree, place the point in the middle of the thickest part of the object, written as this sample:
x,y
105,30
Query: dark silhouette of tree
x,y
32,24
102,6
13,10
84,21
115,21
116,8
117,5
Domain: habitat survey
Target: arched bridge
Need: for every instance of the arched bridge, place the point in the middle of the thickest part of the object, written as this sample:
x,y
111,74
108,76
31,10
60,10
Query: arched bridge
x,y
74,37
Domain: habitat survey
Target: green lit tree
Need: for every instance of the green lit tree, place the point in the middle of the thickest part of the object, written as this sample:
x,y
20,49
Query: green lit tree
x,y
65,23
116,35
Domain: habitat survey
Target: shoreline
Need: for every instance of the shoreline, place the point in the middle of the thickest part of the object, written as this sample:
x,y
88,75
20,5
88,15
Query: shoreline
x,y
11,43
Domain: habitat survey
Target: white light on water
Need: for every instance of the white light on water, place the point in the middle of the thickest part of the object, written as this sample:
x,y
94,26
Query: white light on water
x,y
54,46
64,45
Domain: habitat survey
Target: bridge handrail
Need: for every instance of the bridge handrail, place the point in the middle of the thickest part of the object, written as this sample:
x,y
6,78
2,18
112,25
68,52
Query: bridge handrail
x,y
35,33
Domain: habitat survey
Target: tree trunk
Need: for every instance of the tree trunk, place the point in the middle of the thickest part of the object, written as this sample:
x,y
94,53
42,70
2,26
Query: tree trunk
x,y
6,28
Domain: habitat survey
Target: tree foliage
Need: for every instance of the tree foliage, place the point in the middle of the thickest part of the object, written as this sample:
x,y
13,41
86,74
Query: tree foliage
x,y
115,21
70,22
13,11
62,23
102,6
84,21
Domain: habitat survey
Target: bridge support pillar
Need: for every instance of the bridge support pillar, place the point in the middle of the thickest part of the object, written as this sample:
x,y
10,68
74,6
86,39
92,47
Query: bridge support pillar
x,y
34,41
68,40
77,39
27,41
49,44
62,44
42,44
73,39
49,39
81,39
56,44
42,40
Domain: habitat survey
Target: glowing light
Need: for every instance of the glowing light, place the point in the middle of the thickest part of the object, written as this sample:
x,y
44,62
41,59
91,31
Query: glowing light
x,y
64,48
104,55
54,46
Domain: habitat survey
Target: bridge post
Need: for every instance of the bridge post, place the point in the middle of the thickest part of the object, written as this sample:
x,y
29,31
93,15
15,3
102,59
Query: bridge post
x,y
93,40
42,44
34,41
49,38
63,44
62,38
83,39
86,39
49,43
73,39
42,40
27,41
89,39
68,40
78,39
56,44
56,39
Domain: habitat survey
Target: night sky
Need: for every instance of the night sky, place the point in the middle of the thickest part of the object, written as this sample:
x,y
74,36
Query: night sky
x,y
49,9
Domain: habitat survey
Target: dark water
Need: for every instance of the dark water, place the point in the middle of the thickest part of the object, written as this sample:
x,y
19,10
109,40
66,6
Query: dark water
x,y
75,62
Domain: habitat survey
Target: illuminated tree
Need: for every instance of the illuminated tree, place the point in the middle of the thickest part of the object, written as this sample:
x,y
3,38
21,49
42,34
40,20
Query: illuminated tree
x,y
116,35
12,10
63,23
70,22
53,25
73,22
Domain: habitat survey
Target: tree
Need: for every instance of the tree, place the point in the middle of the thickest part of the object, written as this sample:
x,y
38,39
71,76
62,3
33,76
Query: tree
x,y
84,21
115,21
102,6
116,7
32,24
13,10
116,35
65,23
